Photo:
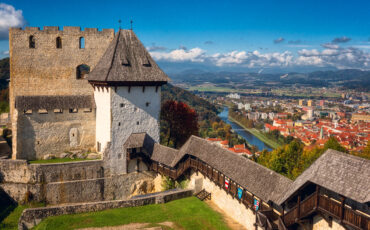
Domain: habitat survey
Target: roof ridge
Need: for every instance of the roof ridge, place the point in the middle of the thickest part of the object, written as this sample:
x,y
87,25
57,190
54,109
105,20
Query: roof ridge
x,y
114,55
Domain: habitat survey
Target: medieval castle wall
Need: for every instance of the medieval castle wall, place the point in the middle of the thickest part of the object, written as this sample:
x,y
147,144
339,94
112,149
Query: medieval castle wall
x,y
38,67
71,182
55,132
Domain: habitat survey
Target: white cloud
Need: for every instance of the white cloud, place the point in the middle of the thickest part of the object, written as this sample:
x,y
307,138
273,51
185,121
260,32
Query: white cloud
x,y
5,52
333,56
181,55
9,17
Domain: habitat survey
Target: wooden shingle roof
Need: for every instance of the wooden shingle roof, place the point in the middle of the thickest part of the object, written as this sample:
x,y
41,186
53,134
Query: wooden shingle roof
x,y
127,62
339,172
54,102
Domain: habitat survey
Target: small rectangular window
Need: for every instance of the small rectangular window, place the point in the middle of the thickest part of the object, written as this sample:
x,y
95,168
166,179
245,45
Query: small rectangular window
x,y
137,123
73,110
87,110
122,105
58,111
42,111
147,104
27,111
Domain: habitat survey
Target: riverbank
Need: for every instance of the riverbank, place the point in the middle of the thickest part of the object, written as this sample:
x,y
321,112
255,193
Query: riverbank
x,y
258,134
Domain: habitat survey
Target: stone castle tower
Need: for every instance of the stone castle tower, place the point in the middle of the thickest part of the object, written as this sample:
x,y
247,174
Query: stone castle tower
x,y
57,105
127,95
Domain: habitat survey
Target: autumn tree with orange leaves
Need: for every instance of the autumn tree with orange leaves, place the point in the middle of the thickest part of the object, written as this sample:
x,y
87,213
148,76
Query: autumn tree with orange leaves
x,y
179,122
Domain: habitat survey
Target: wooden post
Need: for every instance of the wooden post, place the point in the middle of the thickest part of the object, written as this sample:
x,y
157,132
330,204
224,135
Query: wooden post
x,y
298,206
342,199
317,197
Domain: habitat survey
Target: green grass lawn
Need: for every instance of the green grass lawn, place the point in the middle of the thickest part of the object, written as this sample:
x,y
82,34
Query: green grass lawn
x,y
57,160
273,144
11,221
187,213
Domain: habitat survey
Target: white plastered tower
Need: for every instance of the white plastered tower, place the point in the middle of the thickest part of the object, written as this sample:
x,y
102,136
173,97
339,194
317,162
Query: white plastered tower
x,y
127,91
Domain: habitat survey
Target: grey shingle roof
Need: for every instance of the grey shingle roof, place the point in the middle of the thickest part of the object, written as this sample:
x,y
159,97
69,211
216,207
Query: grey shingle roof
x,y
259,180
127,62
54,102
339,172
140,140
163,154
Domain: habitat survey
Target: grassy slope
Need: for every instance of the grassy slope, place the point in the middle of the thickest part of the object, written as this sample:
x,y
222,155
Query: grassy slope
x,y
259,135
11,221
57,160
188,213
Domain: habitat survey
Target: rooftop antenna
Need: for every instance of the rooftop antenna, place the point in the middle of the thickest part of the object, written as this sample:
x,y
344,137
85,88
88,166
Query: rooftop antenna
x,y
119,22
131,23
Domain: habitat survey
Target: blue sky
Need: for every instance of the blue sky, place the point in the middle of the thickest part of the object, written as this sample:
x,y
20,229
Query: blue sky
x,y
221,34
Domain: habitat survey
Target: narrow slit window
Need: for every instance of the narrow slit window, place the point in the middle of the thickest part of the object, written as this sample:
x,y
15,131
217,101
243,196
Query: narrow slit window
x,y
73,110
87,110
58,111
32,43
82,43
59,43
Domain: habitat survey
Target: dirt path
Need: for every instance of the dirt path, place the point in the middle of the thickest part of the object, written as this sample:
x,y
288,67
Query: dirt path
x,y
135,226
231,223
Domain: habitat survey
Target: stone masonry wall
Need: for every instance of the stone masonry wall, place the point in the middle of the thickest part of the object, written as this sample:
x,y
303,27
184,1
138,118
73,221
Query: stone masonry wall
x,y
54,133
46,70
224,201
71,182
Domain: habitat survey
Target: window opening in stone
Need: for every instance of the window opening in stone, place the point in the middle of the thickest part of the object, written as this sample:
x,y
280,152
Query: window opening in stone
x,y
82,71
82,43
59,43
32,43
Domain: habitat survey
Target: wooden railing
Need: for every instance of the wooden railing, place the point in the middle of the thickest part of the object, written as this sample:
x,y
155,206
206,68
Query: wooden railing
x,y
329,206
314,202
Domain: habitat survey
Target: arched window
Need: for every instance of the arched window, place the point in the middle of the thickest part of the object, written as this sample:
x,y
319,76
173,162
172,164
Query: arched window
x,y
82,70
59,43
82,42
31,42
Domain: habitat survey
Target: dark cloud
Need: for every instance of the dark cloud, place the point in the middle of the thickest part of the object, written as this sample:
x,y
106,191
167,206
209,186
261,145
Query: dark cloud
x,y
208,42
279,40
156,48
343,39
295,42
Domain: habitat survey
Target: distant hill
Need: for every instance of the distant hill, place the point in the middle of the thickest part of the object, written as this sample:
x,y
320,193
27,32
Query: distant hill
x,y
348,79
204,109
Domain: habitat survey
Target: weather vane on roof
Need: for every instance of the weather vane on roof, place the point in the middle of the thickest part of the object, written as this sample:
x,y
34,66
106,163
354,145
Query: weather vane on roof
x,y
119,22
131,23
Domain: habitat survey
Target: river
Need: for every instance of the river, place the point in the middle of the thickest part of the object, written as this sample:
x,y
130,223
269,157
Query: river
x,y
250,138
